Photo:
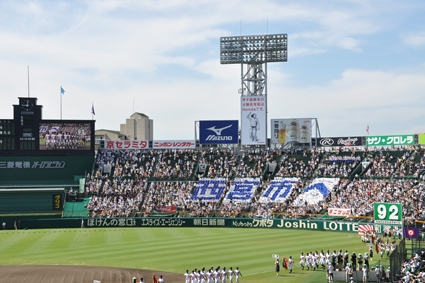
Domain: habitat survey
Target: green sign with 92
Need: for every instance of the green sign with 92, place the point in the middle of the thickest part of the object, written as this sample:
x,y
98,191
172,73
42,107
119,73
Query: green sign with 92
x,y
388,213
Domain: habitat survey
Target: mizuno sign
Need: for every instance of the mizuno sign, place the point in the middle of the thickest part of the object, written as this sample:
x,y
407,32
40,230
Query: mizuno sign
x,y
218,132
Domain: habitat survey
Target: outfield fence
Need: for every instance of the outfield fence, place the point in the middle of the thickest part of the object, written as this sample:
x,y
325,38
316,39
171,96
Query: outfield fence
x,y
38,221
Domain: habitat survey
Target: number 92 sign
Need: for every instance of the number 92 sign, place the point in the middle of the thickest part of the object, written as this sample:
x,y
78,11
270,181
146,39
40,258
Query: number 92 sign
x,y
388,213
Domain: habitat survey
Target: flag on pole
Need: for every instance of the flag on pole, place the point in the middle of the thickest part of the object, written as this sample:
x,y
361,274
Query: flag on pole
x,y
285,262
410,232
62,90
363,229
367,129
92,109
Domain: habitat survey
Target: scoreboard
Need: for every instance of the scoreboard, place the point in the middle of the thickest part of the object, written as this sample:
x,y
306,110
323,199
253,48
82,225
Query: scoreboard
x,y
7,135
28,134
48,152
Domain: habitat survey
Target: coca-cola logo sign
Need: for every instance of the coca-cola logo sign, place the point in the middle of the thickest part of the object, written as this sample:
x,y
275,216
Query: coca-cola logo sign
x,y
340,141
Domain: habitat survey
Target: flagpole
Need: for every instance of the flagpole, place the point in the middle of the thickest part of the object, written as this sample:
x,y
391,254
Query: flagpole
x,y
60,93
28,67
92,111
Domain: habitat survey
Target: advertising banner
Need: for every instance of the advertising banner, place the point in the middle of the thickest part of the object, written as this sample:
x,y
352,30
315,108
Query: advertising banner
x,y
390,140
339,141
126,144
291,130
253,120
421,138
43,169
302,224
164,144
218,132
165,209
339,212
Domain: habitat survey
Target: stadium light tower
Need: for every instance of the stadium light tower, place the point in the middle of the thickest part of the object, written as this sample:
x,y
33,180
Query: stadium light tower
x,y
254,52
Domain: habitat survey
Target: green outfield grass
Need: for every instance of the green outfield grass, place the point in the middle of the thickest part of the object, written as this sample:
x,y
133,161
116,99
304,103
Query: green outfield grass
x,y
177,249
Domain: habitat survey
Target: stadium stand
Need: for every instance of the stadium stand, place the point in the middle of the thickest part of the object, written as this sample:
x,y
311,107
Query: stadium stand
x,y
266,183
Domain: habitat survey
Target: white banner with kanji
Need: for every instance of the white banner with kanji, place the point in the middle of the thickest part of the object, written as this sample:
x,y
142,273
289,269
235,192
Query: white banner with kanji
x,y
253,120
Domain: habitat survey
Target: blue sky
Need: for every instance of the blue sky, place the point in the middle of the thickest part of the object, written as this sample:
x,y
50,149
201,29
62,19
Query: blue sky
x,y
350,63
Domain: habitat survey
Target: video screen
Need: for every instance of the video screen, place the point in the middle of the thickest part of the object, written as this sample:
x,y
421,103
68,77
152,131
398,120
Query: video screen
x,y
65,136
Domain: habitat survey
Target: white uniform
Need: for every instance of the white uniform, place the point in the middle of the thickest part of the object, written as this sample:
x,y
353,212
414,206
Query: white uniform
x,y
290,264
208,276
187,276
322,259
237,275
217,274
203,275
302,260
230,272
223,276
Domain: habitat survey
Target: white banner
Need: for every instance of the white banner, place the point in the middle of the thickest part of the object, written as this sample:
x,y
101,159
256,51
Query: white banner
x,y
339,212
173,144
126,144
253,120
291,130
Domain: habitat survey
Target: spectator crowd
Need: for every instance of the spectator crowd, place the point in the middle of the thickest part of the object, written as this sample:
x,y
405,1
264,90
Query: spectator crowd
x,y
142,182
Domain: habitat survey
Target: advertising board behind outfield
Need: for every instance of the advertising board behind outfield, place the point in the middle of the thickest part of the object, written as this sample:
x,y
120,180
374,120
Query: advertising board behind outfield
x,y
291,130
218,132
253,120
337,141
176,144
127,144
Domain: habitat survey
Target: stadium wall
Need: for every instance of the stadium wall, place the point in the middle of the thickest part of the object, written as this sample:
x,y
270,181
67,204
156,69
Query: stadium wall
x,y
302,224
44,170
35,200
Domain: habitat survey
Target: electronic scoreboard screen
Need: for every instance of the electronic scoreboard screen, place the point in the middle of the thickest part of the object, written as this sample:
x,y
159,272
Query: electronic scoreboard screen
x,y
65,135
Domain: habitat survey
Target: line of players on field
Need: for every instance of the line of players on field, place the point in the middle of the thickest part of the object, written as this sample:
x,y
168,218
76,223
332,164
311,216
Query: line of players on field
x,y
212,275
338,260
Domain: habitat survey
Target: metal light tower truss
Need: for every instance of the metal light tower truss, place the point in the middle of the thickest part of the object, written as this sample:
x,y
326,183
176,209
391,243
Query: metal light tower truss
x,y
254,51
